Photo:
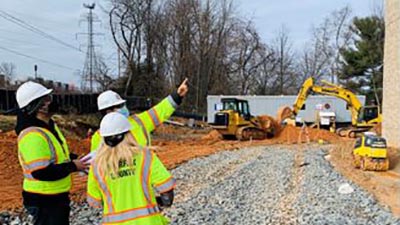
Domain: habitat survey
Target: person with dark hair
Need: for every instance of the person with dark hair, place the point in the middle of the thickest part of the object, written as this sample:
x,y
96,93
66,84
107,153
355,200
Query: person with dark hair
x,y
44,157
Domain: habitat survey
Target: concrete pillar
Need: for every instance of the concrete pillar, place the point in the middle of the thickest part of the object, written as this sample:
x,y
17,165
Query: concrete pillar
x,y
391,74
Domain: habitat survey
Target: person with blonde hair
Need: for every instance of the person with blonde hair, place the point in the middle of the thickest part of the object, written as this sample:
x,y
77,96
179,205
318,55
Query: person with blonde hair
x,y
127,180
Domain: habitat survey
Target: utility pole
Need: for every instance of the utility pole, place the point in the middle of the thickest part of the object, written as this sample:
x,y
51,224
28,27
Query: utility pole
x,y
91,67
35,68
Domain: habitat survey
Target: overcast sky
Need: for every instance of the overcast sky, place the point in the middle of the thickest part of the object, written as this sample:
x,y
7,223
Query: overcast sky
x,y
61,19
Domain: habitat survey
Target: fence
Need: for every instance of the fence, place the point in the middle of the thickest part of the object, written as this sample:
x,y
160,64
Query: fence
x,y
83,104
68,103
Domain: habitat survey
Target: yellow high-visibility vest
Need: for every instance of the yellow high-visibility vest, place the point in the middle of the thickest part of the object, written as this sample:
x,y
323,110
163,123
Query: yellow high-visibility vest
x,y
143,123
38,148
129,197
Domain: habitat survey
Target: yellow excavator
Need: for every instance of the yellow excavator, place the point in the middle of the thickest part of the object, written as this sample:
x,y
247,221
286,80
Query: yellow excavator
x,y
235,121
363,118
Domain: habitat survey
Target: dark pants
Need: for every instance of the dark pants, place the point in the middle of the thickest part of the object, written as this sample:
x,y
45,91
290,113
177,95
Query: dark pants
x,y
57,215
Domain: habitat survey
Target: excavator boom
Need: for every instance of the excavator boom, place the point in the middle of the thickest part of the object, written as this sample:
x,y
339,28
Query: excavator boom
x,y
331,90
362,118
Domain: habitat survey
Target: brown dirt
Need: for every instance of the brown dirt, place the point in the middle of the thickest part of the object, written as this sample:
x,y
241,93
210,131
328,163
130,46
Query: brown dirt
x,y
11,173
7,123
267,123
378,129
176,145
294,135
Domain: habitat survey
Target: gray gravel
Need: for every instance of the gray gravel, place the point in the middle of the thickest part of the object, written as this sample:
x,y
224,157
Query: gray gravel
x,y
259,185
270,185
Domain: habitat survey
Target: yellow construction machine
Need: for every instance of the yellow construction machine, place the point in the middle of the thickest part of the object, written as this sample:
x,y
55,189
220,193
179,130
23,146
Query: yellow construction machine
x,y
363,118
370,153
234,120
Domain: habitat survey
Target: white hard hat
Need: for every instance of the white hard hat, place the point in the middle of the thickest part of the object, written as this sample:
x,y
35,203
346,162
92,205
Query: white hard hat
x,y
109,98
114,123
30,91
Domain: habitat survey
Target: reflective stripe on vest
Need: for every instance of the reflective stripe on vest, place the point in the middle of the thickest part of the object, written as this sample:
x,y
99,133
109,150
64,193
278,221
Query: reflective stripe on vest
x,y
154,117
166,186
93,201
113,217
130,214
172,101
104,188
146,175
141,124
41,163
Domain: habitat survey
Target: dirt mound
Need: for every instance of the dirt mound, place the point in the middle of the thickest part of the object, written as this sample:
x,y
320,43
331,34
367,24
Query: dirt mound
x,y
268,123
213,135
8,135
11,172
293,135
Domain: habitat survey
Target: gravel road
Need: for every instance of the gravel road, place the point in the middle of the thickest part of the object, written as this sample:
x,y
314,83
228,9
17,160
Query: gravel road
x,y
260,185
270,185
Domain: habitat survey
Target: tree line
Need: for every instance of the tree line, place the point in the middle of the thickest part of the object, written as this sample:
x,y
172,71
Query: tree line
x,y
222,53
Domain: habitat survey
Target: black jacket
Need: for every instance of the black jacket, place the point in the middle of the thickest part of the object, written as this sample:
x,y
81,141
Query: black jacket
x,y
50,173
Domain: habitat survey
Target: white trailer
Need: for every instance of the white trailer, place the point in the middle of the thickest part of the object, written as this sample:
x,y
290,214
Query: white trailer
x,y
270,104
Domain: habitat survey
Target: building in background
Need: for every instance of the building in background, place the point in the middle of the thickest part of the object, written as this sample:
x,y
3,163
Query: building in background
x,y
270,104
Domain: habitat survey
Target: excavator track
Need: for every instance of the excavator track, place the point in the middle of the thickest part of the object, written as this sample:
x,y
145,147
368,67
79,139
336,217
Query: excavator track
x,y
247,133
351,132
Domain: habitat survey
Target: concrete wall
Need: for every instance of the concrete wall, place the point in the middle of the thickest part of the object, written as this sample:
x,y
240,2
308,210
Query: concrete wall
x,y
391,80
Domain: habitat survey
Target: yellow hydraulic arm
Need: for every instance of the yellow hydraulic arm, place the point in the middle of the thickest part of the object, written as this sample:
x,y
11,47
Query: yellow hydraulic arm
x,y
330,90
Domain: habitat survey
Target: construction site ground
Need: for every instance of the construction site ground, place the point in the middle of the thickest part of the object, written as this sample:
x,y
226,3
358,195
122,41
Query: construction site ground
x,y
176,145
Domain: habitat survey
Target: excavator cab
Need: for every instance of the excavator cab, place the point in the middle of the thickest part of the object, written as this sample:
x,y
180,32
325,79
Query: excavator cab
x,y
369,115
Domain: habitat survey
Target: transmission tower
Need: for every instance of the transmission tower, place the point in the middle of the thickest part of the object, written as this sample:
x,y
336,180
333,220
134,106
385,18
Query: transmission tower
x,y
90,68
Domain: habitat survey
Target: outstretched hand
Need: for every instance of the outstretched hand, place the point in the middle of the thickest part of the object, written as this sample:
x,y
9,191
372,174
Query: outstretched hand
x,y
81,165
183,88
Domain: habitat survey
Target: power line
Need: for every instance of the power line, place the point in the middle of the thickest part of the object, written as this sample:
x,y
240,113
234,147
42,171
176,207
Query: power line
x,y
34,29
13,40
38,59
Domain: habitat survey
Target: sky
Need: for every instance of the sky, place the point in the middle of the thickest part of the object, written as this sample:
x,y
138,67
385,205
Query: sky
x,y
65,20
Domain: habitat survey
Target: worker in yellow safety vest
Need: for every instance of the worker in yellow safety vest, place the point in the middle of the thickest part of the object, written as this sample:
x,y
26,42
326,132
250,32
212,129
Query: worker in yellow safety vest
x,y
44,157
125,178
142,123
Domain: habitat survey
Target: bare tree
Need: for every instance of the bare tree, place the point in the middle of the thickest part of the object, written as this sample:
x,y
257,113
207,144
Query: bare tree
x,y
126,23
266,75
334,34
103,76
8,70
285,75
247,55
162,42
316,57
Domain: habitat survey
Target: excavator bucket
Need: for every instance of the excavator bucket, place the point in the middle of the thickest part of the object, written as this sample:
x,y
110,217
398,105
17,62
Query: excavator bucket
x,y
283,113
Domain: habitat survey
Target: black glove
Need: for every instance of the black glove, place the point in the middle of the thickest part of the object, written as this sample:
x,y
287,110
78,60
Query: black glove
x,y
165,199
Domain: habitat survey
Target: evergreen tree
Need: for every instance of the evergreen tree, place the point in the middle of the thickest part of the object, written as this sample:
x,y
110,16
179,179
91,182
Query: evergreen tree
x,y
362,62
